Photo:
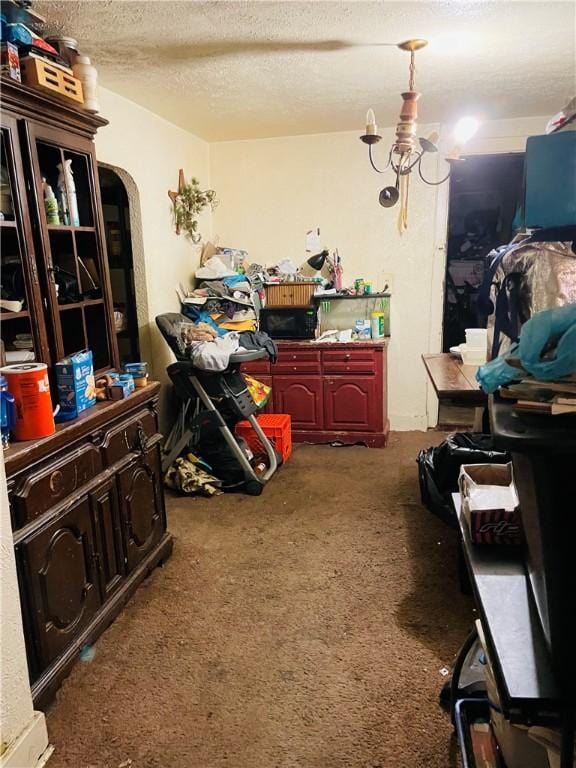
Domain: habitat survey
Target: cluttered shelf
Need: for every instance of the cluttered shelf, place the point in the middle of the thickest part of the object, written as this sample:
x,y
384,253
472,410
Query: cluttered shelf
x,y
23,453
327,295
521,659
357,343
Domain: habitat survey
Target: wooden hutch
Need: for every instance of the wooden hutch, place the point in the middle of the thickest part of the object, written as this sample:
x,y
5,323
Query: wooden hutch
x,y
87,503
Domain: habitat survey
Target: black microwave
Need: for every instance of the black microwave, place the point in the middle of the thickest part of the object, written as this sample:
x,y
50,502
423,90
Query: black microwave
x,y
289,322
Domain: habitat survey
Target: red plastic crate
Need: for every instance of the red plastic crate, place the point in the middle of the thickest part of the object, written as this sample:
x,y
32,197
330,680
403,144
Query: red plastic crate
x,y
276,426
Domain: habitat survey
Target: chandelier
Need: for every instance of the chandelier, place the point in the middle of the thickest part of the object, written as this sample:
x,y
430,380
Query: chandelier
x,y
407,152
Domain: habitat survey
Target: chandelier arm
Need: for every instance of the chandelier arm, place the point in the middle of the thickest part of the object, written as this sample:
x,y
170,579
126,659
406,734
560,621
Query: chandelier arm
x,y
408,168
379,170
431,183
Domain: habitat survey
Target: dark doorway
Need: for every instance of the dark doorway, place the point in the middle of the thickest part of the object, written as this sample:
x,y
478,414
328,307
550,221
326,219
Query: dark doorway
x,y
486,195
119,245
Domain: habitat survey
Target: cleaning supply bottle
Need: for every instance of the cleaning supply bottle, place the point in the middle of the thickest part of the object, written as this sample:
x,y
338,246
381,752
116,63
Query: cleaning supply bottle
x,y
50,204
67,194
338,272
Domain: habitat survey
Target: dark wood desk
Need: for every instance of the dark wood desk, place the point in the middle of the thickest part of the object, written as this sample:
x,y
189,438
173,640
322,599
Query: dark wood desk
x,y
452,380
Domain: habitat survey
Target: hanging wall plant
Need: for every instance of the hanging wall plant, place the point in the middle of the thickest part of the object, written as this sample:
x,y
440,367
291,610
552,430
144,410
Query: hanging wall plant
x,y
188,203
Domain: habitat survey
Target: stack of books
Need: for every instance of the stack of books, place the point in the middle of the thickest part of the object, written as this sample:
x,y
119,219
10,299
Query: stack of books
x,y
556,398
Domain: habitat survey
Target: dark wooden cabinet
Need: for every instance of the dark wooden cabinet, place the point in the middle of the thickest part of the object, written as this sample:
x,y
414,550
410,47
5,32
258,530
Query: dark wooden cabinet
x,y
142,505
86,503
98,534
333,392
58,271
60,569
20,280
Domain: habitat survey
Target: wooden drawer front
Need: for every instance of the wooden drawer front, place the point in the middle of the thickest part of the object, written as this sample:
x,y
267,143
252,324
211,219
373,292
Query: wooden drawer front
x,y
142,500
350,361
296,369
297,361
129,435
52,483
298,355
256,366
59,571
349,366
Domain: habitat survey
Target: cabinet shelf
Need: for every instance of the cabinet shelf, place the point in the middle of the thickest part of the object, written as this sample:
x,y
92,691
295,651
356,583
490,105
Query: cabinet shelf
x,y
7,224
78,304
68,228
14,315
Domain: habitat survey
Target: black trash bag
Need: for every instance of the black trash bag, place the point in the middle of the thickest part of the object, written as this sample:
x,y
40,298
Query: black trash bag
x,y
439,467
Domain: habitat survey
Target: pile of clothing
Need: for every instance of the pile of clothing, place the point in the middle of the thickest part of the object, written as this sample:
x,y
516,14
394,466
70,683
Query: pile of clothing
x,y
224,299
221,316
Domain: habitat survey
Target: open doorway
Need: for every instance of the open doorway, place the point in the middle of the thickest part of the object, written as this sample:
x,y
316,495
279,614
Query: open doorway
x,y
486,197
115,206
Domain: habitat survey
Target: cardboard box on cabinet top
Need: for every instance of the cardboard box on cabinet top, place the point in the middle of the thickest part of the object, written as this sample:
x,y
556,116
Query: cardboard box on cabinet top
x,y
490,503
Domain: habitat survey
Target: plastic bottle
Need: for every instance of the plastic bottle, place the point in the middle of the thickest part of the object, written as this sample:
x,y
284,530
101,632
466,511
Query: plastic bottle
x,y
67,194
50,204
88,76
338,276
377,325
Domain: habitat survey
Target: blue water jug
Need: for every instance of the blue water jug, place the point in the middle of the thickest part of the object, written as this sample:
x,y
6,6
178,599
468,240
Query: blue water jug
x,y
7,412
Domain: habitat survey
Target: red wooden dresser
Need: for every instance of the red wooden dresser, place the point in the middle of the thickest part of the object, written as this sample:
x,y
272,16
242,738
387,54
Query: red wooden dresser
x,y
334,392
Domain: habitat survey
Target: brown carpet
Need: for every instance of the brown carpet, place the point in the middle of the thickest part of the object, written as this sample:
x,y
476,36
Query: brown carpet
x,y
302,629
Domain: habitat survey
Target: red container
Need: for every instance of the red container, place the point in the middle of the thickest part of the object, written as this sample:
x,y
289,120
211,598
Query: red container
x,y
276,426
28,382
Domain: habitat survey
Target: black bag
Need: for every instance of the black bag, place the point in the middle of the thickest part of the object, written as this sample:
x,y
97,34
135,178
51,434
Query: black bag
x,y
439,467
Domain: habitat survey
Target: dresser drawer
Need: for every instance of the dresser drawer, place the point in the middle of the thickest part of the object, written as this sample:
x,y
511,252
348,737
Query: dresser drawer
x,y
349,361
294,361
296,355
39,490
129,435
256,366
296,368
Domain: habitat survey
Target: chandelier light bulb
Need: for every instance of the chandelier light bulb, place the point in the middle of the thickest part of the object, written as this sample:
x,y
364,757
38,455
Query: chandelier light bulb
x,y
465,129
371,127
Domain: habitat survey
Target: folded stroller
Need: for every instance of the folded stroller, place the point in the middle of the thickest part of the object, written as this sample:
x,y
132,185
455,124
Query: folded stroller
x,y
225,399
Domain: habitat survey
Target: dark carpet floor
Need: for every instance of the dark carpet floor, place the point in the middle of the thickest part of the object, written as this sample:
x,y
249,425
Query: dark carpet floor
x,y
305,628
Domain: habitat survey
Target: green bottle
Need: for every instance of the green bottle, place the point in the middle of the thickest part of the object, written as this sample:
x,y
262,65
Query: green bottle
x,y
50,204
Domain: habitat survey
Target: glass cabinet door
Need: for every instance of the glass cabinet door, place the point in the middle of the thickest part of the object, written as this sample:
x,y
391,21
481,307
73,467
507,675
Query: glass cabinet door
x,y
71,229
22,318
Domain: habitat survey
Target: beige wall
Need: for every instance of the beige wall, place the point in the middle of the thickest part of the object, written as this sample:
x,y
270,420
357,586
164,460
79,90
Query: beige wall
x,y
23,737
272,191
151,150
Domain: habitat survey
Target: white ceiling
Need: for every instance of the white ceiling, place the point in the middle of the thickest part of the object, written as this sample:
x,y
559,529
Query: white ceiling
x,y
228,70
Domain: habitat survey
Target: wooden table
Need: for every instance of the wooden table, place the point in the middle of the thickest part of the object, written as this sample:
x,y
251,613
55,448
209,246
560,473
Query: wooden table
x,y
452,380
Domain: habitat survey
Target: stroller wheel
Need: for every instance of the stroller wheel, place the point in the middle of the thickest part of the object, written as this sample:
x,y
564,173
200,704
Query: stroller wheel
x,y
254,487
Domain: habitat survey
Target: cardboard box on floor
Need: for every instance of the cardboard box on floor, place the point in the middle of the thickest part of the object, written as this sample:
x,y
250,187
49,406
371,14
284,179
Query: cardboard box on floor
x,y
490,503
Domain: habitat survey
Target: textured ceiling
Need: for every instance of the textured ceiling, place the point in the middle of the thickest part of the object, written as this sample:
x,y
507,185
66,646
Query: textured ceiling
x,y
229,70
